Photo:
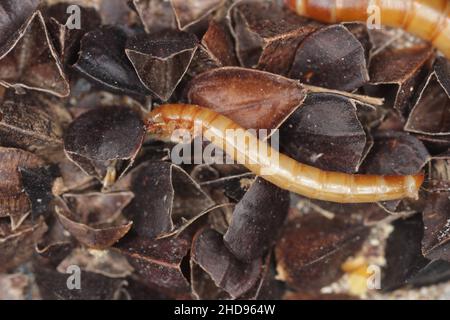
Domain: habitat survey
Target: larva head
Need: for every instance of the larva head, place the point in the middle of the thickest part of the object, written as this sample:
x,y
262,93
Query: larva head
x,y
166,122
413,184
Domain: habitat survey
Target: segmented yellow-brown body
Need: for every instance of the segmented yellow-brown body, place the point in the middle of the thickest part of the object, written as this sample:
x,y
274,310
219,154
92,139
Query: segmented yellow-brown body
x,y
427,19
286,173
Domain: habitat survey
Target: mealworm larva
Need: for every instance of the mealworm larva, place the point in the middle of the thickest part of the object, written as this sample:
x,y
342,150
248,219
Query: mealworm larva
x,y
427,19
286,173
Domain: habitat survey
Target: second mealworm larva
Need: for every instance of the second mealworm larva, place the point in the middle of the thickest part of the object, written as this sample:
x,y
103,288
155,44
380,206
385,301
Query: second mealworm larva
x,y
427,19
286,173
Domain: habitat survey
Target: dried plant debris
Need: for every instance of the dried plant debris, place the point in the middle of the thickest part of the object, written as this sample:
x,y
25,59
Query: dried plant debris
x,y
103,60
156,15
14,16
17,246
97,207
228,273
190,12
104,141
14,201
94,235
81,183
267,35
30,124
398,73
436,219
241,93
404,256
431,114
161,59
313,247
67,39
314,135
439,173
257,221
41,69
332,58
165,197
216,50
53,285
14,286
158,263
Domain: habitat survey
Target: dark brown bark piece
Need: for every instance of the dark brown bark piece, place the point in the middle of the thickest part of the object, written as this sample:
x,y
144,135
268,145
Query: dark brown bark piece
x,y
332,58
267,35
257,221
313,248
253,99
326,133
33,63
161,59
227,272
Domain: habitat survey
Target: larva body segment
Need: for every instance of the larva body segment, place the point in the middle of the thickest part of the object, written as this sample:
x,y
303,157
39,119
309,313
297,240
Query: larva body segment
x,y
427,19
280,169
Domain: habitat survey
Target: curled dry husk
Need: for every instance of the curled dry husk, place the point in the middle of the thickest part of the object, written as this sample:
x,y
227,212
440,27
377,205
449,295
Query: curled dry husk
x,y
240,93
267,35
332,58
41,70
103,142
166,197
14,201
14,16
228,273
97,235
313,247
315,135
398,73
431,114
161,59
